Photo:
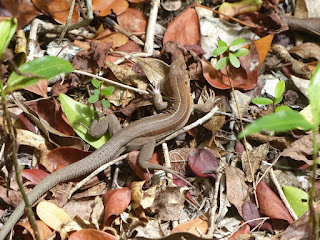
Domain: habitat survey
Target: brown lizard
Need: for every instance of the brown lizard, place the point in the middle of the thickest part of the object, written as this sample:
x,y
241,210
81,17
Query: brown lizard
x,y
141,134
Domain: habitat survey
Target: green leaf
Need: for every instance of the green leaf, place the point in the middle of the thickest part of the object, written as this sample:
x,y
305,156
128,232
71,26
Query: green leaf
x,y
96,92
234,60
95,83
219,50
105,103
280,121
107,91
222,43
7,29
241,52
221,63
237,42
262,101
314,96
279,89
297,198
282,108
277,100
76,113
93,98
45,67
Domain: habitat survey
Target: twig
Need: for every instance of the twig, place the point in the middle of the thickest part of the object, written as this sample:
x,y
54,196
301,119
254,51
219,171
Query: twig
x,y
116,26
69,18
281,194
148,47
213,210
111,82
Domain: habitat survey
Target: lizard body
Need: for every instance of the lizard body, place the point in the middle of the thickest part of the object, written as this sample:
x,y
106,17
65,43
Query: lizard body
x,y
141,134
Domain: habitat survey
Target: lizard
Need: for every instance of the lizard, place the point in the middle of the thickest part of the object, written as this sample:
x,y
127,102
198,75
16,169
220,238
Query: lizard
x,y
141,134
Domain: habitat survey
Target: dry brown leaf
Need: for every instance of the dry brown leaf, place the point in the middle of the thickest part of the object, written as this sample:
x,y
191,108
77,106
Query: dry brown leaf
x,y
237,189
140,197
301,148
103,7
192,226
134,21
118,39
306,50
51,214
39,88
255,156
44,230
184,29
58,9
169,203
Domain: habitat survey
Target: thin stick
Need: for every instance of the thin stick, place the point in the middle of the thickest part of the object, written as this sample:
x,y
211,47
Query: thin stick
x,y
111,82
148,47
68,22
281,194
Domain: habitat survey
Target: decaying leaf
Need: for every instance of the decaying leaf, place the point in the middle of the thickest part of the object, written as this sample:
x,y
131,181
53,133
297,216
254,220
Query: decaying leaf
x,y
255,156
237,189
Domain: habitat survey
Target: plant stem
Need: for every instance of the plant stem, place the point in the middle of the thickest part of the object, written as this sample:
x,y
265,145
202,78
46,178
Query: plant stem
x,y
11,136
313,219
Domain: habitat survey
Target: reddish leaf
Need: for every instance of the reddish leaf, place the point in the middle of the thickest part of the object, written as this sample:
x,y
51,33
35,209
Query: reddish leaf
x,y
244,230
103,7
185,28
91,234
34,175
57,9
270,204
134,21
270,24
203,160
115,202
132,160
250,212
24,11
65,156
21,227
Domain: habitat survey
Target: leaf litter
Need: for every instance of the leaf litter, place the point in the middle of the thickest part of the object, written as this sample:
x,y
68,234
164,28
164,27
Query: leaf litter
x,y
228,186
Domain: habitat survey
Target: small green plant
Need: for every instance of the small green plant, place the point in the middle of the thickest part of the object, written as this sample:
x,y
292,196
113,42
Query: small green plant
x,y
282,121
99,92
233,56
277,98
